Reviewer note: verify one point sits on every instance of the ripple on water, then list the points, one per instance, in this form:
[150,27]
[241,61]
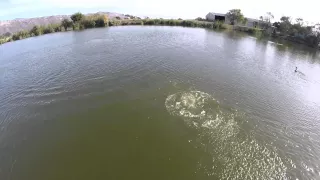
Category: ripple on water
[234,156]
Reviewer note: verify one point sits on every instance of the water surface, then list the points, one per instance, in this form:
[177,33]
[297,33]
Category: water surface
[158,103]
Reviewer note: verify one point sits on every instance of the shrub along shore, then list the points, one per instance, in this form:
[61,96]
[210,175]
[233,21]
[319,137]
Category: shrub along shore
[79,22]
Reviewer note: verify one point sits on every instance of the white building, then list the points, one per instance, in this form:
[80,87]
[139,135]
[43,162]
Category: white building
[211,16]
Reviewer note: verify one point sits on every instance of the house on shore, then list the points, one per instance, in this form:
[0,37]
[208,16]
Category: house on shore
[251,23]
[211,16]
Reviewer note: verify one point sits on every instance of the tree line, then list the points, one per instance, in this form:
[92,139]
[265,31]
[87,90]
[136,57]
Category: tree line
[298,30]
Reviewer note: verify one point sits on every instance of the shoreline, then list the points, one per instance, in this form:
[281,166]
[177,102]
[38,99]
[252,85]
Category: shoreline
[24,34]
[162,22]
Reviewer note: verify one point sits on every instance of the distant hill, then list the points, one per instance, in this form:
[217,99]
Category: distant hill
[12,26]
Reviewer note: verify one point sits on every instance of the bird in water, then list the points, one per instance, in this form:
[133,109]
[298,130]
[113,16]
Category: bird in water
[296,69]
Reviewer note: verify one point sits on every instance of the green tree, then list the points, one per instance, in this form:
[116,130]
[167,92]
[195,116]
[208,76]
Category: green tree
[56,27]
[276,25]
[298,29]
[66,23]
[285,25]
[77,17]
[285,19]
[75,26]
[36,31]
[244,21]
[100,22]
[48,29]
[87,23]
[98,19]
[235,16]
[313,40]
[20,35]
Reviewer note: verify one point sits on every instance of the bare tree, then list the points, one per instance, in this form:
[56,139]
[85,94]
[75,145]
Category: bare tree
[270,17]
[299,21]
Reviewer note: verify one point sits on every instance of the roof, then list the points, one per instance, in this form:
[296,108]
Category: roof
[218,14]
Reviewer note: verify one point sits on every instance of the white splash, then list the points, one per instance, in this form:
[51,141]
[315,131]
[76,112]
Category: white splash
[232,157]
[188,104]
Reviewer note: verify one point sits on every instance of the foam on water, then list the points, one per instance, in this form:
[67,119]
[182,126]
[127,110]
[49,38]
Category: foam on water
[234,154]
[191,104]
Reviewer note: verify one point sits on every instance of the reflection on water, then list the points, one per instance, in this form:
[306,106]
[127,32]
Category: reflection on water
[90,105]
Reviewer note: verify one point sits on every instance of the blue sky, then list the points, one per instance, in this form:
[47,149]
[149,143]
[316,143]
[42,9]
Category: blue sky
[307,9]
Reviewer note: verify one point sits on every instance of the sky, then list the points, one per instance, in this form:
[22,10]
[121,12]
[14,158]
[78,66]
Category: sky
[186,9]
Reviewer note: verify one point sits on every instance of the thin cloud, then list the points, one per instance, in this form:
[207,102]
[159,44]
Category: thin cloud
[82,3]
[308,10]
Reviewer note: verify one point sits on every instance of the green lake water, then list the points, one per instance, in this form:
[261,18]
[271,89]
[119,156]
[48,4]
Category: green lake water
[158,103]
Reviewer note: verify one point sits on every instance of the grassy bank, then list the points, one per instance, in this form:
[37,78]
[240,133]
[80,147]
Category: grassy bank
[4,39]
[92,22]
[80,22]
[250,30]
[295,32]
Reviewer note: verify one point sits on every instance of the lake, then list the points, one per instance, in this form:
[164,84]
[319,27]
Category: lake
[158,103]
